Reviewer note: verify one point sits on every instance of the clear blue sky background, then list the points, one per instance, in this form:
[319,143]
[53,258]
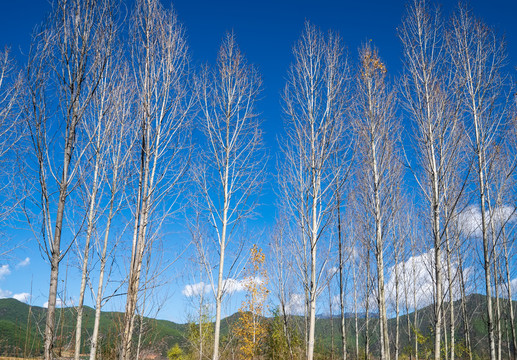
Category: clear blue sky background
[266,31]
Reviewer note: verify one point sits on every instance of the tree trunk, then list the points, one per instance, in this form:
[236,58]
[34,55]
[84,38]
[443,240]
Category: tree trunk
[498,310]
[51,309]
[415,304]
[486,250]
[367,308]
[218,304]
[331,318]
[103,259]
[312,290]
[89,233]
[222,244]
[510,299]
[464,313]
[452,319]
[379,250]
[341,282]
[56,245]
[356,310]
[397,312]
[201,323]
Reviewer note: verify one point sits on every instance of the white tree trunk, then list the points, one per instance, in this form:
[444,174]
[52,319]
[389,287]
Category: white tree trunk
[89,232]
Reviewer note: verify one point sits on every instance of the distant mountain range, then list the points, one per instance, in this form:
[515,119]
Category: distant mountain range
[348,315]
[21,327]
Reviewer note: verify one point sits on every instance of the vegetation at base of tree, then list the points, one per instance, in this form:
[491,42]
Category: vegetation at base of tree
[251,329]
[175,353]
[278,345]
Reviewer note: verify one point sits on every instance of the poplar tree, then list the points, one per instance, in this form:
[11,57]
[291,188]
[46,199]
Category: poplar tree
[314,99]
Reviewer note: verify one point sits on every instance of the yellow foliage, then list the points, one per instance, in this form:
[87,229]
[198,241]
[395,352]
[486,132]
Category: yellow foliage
[251,329]
[371,63]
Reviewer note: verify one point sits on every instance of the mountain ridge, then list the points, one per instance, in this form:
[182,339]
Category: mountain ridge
[21,328]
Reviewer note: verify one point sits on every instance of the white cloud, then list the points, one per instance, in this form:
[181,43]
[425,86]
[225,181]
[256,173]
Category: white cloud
[230,286]
[505,213]
[23,297]
[24,262]
[513,285]
[195,289]
[332,271]
[4,271]
[295,305]
[5,294]
[415,278]
[59,303]
[233,285]
[470,219]
[503,289]
[335,301]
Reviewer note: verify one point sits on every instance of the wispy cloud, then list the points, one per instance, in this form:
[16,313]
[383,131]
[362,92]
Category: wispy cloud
[503,288]
[59,303]
[4,271]
[23,263]
[233,285]
[23,297]
[295,305]
[470,219]
[195,289]
[230,286]
[416,279]
[5,294]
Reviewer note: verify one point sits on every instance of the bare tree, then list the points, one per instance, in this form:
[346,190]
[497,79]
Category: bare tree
[231,167]
[380,170]
[345,234]
[367,279]
[478,56]
[160,66]
[426,87]
[355,270]
[10,135]
[507,246]
[282,278]
[150,297]
[120,139]
[97,132]
[508,243]
[464,252]
[501,214]
[60,84]
[201,334]
[9,92]
[341,278]
[415,270]
[315,104]
[401,232]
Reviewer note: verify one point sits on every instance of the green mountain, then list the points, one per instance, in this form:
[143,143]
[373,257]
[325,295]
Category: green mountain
[328,333]
[21,329]
[22,326]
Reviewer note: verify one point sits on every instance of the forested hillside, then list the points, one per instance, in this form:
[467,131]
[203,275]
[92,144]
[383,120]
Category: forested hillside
[20,331]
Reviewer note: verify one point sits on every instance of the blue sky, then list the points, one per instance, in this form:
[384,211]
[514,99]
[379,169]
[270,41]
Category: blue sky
[266,31]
